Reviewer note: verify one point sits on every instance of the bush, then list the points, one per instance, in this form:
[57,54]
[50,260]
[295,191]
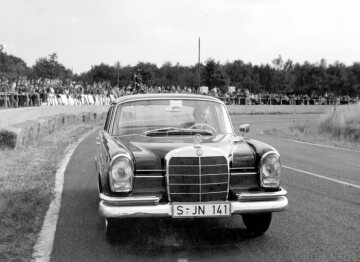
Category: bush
[343,123]
[7,139]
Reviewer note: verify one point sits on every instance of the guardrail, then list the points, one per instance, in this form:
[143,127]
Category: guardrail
[25,100]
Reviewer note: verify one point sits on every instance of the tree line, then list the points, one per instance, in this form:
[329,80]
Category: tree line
[281,76]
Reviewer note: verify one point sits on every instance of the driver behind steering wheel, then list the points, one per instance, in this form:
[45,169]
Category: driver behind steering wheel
[202,119]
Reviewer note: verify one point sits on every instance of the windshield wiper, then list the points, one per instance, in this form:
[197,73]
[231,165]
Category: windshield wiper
[176,131]
[160,130]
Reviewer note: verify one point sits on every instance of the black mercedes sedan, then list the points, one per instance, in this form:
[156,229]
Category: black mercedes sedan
[177,155]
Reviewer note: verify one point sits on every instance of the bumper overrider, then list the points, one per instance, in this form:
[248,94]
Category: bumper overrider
[150,206]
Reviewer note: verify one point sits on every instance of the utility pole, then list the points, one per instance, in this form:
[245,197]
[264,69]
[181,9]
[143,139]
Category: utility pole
[199,66]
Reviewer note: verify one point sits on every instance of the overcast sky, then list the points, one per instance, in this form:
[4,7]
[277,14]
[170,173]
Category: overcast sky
[89,32]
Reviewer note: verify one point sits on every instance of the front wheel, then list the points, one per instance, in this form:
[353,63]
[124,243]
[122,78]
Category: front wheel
[110,228]
[257,223]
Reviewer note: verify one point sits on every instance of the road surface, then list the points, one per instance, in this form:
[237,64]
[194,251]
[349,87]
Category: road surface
[322,222]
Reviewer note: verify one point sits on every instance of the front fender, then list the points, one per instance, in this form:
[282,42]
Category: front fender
[109,149]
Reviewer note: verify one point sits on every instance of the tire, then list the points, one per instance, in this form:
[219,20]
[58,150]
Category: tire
[110,228]
[257,223]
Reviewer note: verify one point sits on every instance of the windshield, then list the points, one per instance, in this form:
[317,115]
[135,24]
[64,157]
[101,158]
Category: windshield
[164,115]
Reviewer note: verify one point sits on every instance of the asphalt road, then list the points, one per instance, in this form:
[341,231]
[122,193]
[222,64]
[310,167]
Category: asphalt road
[322,222]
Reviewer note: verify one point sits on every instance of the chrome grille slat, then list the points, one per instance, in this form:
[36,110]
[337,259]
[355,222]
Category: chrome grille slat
[220,174]
[188,180]
[203,184]
[199,193]
[198,165]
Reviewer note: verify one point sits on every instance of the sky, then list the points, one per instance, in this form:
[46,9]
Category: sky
[85,33]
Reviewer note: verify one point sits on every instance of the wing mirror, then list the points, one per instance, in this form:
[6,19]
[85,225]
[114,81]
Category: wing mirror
[245,128]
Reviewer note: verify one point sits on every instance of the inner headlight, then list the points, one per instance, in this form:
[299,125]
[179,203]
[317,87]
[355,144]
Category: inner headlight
[121,174]
[270,170]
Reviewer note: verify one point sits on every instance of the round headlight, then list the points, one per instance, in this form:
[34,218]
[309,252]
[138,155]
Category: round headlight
[121,174]
[270,170]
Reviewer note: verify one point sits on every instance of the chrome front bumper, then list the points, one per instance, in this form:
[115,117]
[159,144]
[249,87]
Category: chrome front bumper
[116,207]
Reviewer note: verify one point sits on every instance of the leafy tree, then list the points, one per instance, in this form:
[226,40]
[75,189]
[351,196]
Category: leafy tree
[266,77]
[103,72]
[147,73]
[282,76]
[214,76]
[49,67]
[12,67]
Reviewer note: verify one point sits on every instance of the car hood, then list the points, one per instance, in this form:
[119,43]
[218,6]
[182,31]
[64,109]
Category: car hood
[149,152]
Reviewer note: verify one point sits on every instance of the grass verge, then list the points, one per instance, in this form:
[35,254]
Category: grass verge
[26,181]
[340,127]
[278,109]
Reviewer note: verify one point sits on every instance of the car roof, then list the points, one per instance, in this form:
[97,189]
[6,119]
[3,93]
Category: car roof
[156,96]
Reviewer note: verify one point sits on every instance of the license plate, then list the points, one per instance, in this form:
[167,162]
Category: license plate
[201,210]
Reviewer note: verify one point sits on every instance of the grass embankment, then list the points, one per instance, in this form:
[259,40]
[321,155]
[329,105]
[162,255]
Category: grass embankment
[339,127]
[26,181]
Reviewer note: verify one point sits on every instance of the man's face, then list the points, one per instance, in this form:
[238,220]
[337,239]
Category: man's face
[205,116]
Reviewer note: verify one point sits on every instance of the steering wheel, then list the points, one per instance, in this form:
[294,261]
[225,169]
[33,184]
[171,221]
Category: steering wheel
[203,125]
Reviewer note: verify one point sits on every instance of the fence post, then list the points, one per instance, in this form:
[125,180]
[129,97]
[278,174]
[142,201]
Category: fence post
[5,99]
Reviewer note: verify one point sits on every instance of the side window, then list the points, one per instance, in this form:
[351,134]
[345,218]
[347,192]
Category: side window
[108,119]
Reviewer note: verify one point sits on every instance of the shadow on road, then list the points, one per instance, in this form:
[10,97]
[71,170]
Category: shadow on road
[151,236]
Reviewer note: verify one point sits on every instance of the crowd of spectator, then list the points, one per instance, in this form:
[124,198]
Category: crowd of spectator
[54,92]
[244,97]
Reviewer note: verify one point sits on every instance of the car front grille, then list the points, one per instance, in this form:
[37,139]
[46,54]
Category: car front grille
[198,179]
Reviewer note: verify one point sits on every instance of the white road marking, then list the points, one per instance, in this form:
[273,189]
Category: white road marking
[319,145]
[313,144]
[44,244]
[261,121]
[323,177]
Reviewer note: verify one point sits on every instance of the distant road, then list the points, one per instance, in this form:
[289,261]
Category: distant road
[321,224]
[9,117]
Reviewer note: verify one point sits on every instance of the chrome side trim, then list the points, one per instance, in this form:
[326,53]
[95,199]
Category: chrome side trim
[149,176]
[232,168]
[150,170]
[261,195]
[245,173]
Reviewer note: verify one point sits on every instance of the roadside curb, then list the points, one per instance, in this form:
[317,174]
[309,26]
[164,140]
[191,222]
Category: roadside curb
[23,134]
[44,244]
